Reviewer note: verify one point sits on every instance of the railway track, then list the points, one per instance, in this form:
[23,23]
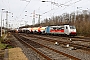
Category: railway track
[83,39]
[64,42]
[45,51]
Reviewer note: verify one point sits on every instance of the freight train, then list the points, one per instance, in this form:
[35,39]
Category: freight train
[60,30]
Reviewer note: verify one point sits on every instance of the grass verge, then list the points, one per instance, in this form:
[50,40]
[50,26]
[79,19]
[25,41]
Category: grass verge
[4,43]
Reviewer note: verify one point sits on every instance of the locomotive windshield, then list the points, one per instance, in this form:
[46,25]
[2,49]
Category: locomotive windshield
[72,27]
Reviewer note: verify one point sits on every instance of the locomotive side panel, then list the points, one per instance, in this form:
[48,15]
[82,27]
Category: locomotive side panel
[65,29]
[55,30]
[47,30]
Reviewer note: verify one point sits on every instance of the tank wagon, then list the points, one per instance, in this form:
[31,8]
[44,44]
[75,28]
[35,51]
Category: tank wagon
[40,30]
[63,30]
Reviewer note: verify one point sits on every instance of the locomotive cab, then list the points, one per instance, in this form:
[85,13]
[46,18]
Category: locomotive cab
[72,30]
[66,29]
[69,30]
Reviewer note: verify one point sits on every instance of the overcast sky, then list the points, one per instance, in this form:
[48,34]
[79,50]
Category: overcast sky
[18,9]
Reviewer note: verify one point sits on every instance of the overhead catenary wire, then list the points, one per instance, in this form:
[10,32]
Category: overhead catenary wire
[4,4]
[62,6]
[54,8]
[24,9]
[71,4]
[8,5]
[17,17]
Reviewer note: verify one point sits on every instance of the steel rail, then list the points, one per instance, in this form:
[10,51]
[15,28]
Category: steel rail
[78,46]
[67,55]
[43,55]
